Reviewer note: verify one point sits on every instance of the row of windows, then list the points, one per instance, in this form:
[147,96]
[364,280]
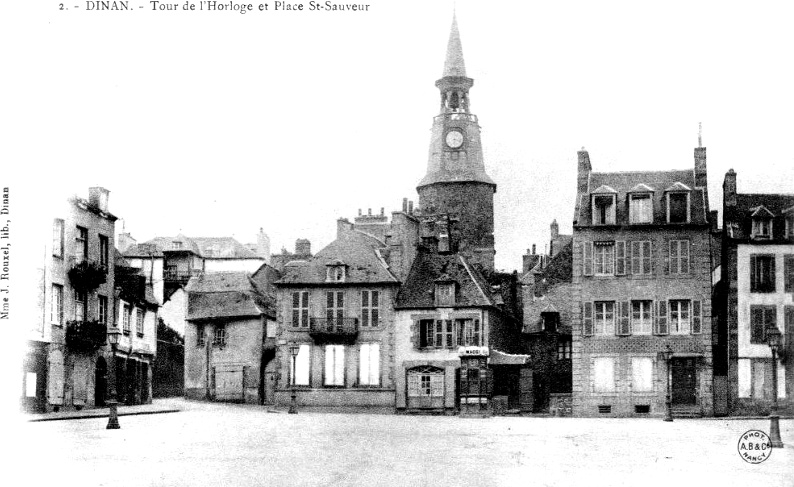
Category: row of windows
[80,310]
[126,320]
[620,258]
[763,228]
[640,206]
[603,377]
[334,357]
[461,332]
[335,307]
[642,317]
[81,243]
[218,335]
[762,273]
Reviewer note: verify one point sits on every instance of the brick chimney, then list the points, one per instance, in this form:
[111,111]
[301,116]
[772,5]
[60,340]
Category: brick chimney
[583,172]
[98,197]
[303,246]
[700,167]
[729,188]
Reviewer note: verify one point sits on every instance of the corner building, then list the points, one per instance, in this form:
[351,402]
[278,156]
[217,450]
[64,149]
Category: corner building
[642,273]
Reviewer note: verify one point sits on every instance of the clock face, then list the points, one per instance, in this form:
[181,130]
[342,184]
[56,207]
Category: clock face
[454,139]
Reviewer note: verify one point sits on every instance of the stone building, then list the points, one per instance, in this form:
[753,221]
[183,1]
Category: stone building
[758,292]
[66,362]
[642,273]
[337,308]
[230,335]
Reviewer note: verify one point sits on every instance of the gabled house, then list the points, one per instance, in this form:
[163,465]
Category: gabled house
[642,271]
[758,293]
[229,335]
[336,310]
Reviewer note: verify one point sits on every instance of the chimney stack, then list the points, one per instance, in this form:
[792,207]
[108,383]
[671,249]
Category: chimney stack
[533,249]
[98,197]
[584,169]
[405,205]
[410,207]
[729,188]
[555,230]
[303,246]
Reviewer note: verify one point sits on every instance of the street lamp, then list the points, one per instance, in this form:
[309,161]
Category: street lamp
[667,353]
[773,339]
[113,419]
[294,350]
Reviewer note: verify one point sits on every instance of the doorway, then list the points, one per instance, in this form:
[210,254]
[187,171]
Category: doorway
[100,382]
[268,378]
[684,381]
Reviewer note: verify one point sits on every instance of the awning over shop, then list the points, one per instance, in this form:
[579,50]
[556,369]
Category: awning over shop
[502,358]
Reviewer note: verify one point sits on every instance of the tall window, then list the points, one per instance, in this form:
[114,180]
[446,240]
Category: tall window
[640,208]
[760,318]
[604,318]
[788,273]
[445,294]
[57,237]
[104,249]
[139,314]
[219,335]
[679,316]
[334,365]
[81,247]
[604,258]
[604,209]
[564,349]
[300,309]
[335,306]
[103,309]
[299,367]
[56,313]
[201,336]
[679,256]
[468,332]
[125,319]
[641,374]
[370,307]
[762,273]
[604,374]
[641,317]
[369,364]
[677,207]
[80,305]
[641,257]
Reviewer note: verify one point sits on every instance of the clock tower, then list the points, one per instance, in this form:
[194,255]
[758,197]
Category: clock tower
[456,195]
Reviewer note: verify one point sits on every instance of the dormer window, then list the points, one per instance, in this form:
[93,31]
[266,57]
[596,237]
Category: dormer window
[445,294]
[762,223]
[678,207]
[640,208]
[789,214]
[604,206]
[335,271]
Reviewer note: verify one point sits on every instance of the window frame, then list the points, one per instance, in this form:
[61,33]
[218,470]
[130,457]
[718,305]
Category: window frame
[300,314]
[639,325]
[140,313]
[757,273]
[676,324]
[600,325]
[677,259]
[640,259]
[634,375]
[604,214]
[688,203]
[610,388]
[104,251]
[81,244]
[370,308]
[126,317]
[58,226]
[304,355]
[102,309]
[605,266]
[80,303]
[201,335]
[335,307]
[761,223]
[564,348]
[56,306]
[369,375]
[219,336]
[768,314]
[337,379]
[634,213]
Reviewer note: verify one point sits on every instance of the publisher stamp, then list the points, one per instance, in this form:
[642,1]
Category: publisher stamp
[754,446]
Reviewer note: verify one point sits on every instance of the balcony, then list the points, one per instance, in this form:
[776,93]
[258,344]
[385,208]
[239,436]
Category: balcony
[86,276]
[85,336]
[182,276]
[334,330]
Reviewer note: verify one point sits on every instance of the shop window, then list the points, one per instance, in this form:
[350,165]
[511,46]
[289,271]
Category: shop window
[334,365]
[369,364]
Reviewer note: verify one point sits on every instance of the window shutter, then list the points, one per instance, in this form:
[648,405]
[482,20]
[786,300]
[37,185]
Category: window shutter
[661,318]
[788,273]
[753,273]
[587,260]
[635,258]
[772,281]
[587,319]
[697,317]
[668,257]
[624,326]
[620,258]
[683,252]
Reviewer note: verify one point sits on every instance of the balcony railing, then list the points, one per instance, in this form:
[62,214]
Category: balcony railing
[333,330]
[172,275]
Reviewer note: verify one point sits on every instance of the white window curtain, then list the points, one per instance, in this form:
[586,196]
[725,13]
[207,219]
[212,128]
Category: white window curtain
[334,365]
[604,374]
[369,364]
[642,374]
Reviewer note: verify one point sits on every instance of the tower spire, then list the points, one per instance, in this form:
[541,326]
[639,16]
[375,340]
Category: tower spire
[700,134]
[454,65]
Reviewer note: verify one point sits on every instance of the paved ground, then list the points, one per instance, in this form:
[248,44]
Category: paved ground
[213,444]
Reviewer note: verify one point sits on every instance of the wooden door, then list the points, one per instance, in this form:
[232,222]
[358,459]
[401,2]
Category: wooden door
[684,381]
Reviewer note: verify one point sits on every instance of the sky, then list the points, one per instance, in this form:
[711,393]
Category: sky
[219,123]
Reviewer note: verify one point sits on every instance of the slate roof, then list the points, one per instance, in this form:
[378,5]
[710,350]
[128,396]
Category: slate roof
[418,290]
[221,295]
[739,219]
[358,251]
[207,247]
[624,183]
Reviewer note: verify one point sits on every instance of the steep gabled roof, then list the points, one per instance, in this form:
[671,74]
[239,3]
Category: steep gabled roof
[359,252]
[418,290]
[207,247]
[221,295]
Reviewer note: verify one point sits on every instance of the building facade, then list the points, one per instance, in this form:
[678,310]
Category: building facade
[336,311]
[66,363]
[642,271]
[758,275]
